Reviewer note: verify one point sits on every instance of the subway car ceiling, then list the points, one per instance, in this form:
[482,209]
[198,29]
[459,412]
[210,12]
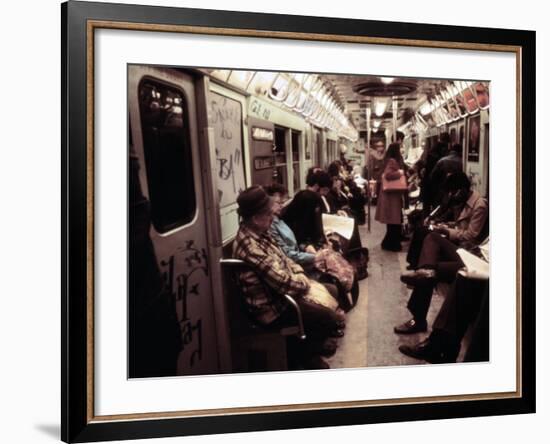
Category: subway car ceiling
[352,105]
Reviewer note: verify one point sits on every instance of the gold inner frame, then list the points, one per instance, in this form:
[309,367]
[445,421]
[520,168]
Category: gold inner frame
[92,25]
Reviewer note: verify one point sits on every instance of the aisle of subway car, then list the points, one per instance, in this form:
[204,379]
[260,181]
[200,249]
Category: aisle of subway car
[381,306]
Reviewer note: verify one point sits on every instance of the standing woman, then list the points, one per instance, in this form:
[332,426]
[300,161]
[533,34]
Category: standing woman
[388,209]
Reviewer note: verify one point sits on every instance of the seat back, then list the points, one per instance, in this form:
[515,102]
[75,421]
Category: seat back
[255,347]
[238,309]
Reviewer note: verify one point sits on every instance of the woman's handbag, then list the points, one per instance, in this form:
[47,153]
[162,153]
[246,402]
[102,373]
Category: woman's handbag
[394,186]
[334,264]
[359,259]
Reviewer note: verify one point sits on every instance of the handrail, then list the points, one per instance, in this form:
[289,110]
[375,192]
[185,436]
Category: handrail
[240,263]
[293,302]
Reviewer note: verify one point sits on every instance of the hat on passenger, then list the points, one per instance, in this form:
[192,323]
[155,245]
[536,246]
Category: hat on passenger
[253,200]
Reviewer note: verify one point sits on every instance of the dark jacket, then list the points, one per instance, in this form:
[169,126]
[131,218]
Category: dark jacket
[303,216]
[446,165]
[471,226]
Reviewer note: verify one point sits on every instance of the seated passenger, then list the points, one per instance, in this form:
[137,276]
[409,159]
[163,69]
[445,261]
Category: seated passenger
[439,262]
[282,233]
[465,303]
[357,202]
[303,214]
[464,220]
[337,199]
[254,245]
[323,264]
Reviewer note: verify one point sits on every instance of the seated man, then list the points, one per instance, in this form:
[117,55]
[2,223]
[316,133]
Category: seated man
[438,260]
[255,246]
[467,298]
[463,218]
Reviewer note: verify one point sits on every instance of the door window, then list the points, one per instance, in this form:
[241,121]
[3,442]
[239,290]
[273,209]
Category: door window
[164,115]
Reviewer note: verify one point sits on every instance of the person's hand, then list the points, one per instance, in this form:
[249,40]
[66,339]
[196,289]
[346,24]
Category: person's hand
[303,278]
[310,249]
[342,213]
[442,229]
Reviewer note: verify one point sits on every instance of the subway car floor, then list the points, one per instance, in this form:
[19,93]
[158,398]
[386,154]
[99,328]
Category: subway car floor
[370,340]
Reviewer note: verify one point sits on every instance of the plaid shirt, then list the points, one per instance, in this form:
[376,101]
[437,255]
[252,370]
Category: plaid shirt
[274,268]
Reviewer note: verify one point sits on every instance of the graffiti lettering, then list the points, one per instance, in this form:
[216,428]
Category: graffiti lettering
[224,118]
[188,331]
[184,282]
[226,167]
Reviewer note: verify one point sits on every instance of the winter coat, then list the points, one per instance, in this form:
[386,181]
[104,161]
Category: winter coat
[388,208]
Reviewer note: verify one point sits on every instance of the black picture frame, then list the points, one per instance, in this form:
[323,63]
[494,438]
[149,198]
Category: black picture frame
[78,423]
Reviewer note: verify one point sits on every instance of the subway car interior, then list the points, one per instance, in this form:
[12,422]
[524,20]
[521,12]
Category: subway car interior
[284,221]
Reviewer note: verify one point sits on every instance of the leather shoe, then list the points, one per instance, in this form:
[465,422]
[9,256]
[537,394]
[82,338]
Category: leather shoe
[427,351]
[341,324]
[328,348]
[337,333]
[422,276]
[410,327]
[394,248]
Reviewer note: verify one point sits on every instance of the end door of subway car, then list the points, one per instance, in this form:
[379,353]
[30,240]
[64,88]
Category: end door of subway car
[172,327]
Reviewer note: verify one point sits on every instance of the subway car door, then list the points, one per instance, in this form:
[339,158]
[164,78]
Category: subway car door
[163,121]
[262,157]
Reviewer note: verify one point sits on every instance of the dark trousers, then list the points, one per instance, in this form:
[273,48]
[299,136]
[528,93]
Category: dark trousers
[415,246]
[466,303]
[392,240]
[319,323]
[439,254]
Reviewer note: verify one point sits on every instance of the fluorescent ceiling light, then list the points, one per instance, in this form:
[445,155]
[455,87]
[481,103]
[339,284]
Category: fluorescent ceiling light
[426,108]
[380,107]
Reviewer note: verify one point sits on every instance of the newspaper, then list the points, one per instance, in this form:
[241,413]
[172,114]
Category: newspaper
[338,224]
[476,268]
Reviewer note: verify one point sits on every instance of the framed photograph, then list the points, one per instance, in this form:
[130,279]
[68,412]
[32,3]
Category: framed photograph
[184,131]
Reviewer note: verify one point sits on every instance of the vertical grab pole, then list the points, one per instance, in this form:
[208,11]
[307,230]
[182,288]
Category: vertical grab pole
[394,118]
[369,193]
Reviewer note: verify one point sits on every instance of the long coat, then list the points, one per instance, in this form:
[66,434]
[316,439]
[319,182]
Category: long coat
[388,208]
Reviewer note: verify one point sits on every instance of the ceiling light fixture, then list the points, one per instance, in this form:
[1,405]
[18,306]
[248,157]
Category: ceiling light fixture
[380,107]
